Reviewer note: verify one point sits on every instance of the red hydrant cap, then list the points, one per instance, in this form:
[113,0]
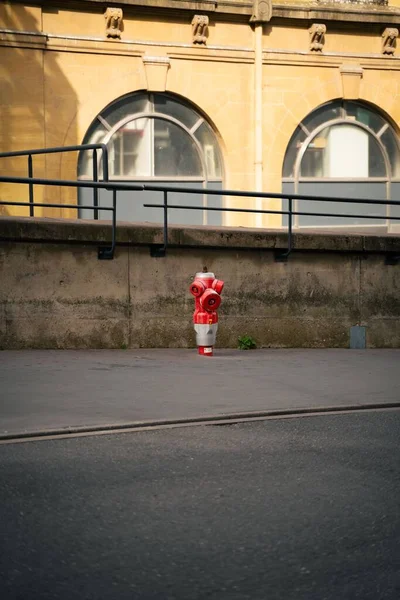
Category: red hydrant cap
[218,285]
[210,300]
[197,288]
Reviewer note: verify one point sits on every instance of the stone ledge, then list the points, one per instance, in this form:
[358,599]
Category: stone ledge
[25,229]
[330,10]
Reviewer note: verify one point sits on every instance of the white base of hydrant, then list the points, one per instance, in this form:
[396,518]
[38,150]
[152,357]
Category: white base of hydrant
[206,334]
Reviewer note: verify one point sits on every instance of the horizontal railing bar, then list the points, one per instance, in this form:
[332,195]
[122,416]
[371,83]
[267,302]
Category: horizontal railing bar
[53,150]
[157,178]
[341,180]
[110,185]
[271,195]
[272,212]
[48,205]
[208,208]
[224,209]
[70,183]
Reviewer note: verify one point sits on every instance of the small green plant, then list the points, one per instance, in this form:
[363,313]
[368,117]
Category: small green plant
[124,346]
[246,342]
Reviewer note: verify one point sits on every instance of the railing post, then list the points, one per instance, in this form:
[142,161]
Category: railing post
[282,256]
[114,222]
[108,253]
[165,220]
[156,250]
[30,175]
[95,189]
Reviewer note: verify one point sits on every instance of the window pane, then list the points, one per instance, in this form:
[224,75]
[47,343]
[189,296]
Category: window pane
[150,146]
[175,153]
[130,150]
[364,115]
[128,105]
[115,155]
[388,139]
[173,108]
[377,167]
[291,154]
[343,151]
[212,158]
[323,114]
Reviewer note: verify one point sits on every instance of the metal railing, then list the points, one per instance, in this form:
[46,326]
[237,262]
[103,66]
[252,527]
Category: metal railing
[272,195]
[161,249]
[32,181]
[62,149]
[104,252]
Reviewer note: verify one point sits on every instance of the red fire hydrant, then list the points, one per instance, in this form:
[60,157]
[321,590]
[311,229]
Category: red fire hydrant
[206,291]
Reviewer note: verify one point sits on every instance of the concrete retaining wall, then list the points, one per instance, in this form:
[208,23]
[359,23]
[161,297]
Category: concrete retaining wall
[55,294]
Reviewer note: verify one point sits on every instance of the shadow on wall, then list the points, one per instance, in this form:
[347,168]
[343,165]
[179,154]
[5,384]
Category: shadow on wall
[36,102]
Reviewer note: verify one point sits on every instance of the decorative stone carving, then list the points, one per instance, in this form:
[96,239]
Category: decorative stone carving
[317,33]
[200,29]
[113,17]
[262,11]
[389,37]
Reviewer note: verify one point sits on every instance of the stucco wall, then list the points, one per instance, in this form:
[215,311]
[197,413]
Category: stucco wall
[59,295]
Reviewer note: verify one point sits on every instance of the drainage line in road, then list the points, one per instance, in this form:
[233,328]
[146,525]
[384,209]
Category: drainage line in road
[226,419]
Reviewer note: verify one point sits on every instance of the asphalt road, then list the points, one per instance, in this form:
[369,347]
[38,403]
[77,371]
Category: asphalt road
[42,390]
[296,509]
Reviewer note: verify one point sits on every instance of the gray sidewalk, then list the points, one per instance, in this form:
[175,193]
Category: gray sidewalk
[41,390]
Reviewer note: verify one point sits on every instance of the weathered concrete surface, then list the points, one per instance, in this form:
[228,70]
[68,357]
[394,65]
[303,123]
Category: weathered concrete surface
[54,389]
[53,297]
[58,295]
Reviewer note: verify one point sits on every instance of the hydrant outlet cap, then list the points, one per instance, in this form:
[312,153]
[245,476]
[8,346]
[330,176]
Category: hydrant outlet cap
[210,300]
[197,288]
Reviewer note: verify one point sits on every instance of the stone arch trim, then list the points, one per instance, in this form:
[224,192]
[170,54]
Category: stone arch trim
[96,100]
[384,98]
[378,97]
[133,82]
[320,93]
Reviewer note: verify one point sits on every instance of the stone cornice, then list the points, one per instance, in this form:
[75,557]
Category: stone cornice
[338,11]
[362,11]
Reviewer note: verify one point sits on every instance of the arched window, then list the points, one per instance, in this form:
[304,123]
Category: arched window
[156,137]
[343,149]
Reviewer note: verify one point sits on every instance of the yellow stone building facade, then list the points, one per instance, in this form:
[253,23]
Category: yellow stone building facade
[300,97]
